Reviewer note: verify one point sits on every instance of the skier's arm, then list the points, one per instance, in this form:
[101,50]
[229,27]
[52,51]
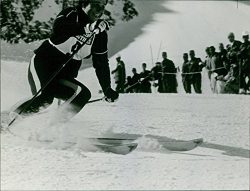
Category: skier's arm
[101,65]
[100,60]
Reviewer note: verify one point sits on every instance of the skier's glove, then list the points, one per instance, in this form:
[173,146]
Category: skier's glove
[90,27]
[111,95]
[96,27]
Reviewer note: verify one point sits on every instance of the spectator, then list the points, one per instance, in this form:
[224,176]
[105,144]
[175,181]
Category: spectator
[145,79]
[135,78]
[230,82]
[217,69]
[169,75]
[207,62]
[119,75]
[233,49]
[186,77]
[157,75]
[223,56]
[196,66]
[128,84]
[244,58]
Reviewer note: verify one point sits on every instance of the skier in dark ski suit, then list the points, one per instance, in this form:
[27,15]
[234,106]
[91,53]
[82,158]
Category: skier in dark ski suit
[71,28]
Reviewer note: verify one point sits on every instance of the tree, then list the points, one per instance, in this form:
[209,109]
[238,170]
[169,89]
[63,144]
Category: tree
[18,24]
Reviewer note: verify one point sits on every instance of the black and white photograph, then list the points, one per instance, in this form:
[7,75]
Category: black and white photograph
[125,95]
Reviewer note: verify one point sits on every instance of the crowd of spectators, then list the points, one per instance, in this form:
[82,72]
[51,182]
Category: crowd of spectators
[229,68]
[228,71]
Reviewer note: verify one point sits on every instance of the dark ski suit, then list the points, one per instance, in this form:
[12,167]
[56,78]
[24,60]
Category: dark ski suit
[68,33]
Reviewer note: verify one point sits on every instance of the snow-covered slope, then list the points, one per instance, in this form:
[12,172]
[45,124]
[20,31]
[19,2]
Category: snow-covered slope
[222,162]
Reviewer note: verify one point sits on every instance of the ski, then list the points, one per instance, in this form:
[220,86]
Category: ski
[109,145]
[121,149]
[178,145]
[113,141]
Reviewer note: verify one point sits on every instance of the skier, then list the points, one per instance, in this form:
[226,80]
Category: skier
[186,77]
[120,75]
[145,83]
[71,28]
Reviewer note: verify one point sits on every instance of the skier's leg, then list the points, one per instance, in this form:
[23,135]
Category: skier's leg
[39,103]
[44,99]
[75,94]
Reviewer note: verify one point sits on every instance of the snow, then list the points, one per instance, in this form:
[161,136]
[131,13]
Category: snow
[221,162]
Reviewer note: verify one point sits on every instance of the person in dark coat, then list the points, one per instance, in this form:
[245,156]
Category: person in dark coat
[196,66]
[169,75]
[145,79]
[135,79]
[119,75]
[244,58]
[217,69]
[156,72]
[128,83]
[223,56]
[186,80]
[234,47]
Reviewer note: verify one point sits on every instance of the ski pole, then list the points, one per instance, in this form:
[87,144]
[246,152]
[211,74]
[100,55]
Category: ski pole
[152,57]
[91,101]
[52,77]
[96,100]
[159,52]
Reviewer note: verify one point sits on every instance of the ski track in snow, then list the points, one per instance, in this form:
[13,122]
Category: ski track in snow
[221,162]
